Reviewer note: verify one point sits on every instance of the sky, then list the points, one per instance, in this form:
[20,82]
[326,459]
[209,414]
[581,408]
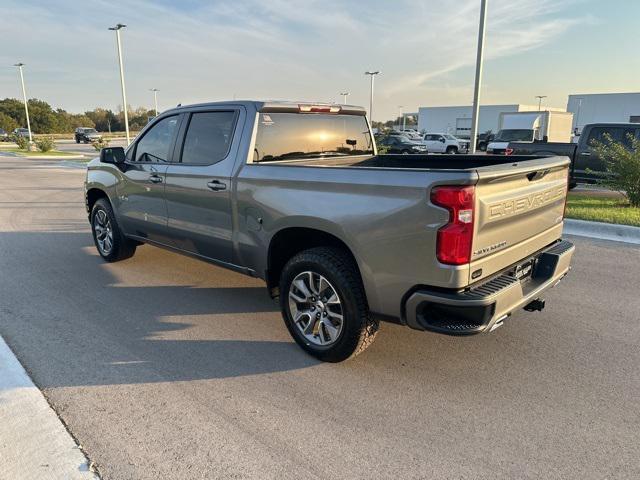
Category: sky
[198,51]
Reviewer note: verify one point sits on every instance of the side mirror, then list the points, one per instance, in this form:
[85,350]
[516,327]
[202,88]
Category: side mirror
[113,155]
[442,140]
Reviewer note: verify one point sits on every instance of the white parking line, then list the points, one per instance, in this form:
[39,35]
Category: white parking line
[34,443]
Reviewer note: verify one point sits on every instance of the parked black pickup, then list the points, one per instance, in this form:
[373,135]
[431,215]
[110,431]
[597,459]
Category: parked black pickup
[586,167]
[551,149]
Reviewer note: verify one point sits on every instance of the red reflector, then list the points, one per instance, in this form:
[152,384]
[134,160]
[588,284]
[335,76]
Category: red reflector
[453,246]
[508,151]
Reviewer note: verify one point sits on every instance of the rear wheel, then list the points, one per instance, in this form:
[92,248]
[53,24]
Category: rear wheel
[452,150]
[111,243]
[405,152]
[324,305]
[77,140]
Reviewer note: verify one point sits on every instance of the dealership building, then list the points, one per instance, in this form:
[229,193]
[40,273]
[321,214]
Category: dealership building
[457,120]
[587,108]
[604,107]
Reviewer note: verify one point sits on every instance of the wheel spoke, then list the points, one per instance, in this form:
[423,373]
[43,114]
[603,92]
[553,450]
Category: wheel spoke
[300,285]
[331,330]
[333,299]
[310,326]
[337,316]
[312,284]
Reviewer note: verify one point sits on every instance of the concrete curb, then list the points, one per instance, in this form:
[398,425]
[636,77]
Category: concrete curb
[602,231]
[34,442]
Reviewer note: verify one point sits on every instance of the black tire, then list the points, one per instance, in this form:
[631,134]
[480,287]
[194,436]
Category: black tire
[404,152]
[452,150]
[482,147]
[358,329]
[122,247]
[77,141]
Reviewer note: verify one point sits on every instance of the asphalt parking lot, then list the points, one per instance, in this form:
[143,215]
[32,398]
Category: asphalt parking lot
[166,367]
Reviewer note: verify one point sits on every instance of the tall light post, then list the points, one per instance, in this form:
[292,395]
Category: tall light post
[155,98]
[371,74]
[344,97]
[540,98]
[24,97]
[400,107]
[478,83]
[117,29]
[575,130]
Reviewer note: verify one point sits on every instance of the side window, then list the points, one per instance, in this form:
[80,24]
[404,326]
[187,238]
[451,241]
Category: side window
[154,146]
[599,134]
[208,137]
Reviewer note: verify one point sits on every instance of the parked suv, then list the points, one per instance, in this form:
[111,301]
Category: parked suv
[87,135]
[21,132]
[4,136]
[445,143]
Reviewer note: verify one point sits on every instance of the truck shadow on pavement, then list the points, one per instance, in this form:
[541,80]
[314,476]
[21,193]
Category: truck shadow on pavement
[85,322]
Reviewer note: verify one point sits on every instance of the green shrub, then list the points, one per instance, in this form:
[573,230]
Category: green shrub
[22,142]
[623,166]
[45,144]
[100,144]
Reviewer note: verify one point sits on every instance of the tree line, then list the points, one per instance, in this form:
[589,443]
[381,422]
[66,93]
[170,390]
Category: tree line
[45,119]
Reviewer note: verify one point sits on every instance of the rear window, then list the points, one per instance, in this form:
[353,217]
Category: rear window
[290,136]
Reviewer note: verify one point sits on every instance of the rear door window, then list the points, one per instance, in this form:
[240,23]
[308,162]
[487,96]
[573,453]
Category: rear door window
[601,134]
[208,137]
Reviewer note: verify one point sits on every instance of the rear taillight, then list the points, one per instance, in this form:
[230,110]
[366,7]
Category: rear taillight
[508,151]
[453,246]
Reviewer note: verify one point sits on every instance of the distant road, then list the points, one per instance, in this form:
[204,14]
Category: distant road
[84,148]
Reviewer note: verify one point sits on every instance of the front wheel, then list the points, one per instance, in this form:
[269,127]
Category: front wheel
[324,304]
[111,243]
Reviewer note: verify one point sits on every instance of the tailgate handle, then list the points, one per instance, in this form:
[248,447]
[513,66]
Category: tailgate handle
[537,175]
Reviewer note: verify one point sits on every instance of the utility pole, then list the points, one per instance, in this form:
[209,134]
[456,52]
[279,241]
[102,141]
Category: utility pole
[155,98]
[117,29]
[401,116]
[540,98]
[344,97]
[24,97]
[371,74]
[478,83]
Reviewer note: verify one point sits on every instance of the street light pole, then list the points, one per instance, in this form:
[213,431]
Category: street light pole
[478,83]
[540,98]
[117,29]
[344,97]
[24,96]
[155,98]
[371,74]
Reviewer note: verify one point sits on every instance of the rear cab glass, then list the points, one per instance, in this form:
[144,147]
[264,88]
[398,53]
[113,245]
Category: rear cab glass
[294,136]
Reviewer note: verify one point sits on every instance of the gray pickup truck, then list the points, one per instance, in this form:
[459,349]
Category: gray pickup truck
[296,194]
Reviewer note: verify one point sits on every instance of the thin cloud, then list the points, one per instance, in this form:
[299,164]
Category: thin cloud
[306,49]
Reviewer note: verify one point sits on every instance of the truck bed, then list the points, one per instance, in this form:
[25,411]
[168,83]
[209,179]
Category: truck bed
[414,162]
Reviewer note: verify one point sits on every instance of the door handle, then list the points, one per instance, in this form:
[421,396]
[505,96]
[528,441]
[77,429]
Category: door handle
[585,154]
[155,178]
[216,185]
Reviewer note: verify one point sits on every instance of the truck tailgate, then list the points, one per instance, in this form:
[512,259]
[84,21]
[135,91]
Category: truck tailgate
[520,209]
